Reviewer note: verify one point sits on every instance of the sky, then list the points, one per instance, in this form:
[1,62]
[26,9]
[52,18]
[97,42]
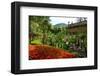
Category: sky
[56,20]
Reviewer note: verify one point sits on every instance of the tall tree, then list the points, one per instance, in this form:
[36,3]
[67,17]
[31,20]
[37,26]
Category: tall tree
[40,24]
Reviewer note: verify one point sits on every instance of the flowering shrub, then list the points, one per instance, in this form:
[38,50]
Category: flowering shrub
[47,52]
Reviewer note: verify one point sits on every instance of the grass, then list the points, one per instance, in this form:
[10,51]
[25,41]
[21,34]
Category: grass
[36,41]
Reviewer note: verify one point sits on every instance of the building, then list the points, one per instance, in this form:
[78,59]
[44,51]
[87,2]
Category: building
[77,27]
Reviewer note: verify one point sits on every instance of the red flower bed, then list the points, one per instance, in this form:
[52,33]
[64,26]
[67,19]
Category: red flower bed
[47,52]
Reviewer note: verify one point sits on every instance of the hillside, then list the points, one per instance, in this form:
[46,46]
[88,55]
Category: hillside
[60,25]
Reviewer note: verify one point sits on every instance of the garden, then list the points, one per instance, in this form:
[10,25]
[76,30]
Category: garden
[54,41]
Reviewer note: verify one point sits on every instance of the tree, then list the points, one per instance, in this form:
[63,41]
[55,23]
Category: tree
[40,25]
[80,19]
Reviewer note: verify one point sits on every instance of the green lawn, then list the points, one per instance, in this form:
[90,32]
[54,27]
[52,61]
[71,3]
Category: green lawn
[36,41]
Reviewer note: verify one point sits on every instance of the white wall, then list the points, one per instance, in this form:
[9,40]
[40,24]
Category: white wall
[5,33]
